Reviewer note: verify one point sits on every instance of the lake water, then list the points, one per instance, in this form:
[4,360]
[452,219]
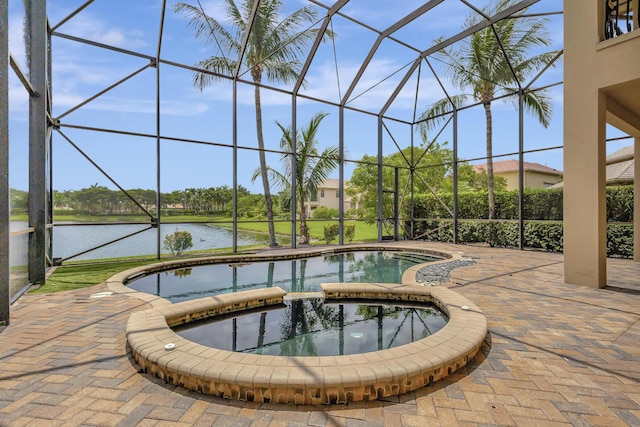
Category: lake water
[69,240]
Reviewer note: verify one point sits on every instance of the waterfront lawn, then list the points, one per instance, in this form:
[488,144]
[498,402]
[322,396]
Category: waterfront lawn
[363,233]
[66,278]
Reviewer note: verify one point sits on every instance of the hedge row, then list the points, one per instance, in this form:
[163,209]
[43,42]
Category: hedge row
[538,205]
[538,235]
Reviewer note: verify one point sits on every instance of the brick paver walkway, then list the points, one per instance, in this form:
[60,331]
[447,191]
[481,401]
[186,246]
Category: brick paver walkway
[556,354]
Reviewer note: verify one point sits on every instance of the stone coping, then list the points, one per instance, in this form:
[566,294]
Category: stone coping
[305,380]
[300,380]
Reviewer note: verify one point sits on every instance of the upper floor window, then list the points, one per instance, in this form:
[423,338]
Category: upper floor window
[321,193]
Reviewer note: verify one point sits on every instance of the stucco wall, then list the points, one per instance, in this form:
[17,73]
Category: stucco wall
[593,71]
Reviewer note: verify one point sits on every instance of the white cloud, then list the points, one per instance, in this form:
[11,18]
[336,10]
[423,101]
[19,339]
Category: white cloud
[18,98]
[69,72]
[16,41]
[87,25]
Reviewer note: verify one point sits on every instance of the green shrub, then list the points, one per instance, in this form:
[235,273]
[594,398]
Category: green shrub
[178,242]
[546,235]
[539,205]
[620,203]
[331,232]
[349,232]
[620,240]
[324,212]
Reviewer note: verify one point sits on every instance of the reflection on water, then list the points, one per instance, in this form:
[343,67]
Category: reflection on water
[182,272]
[301,275]
[311,327]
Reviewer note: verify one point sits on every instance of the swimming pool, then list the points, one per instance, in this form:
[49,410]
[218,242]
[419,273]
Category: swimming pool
[293,275]
[313,327]
[308,380]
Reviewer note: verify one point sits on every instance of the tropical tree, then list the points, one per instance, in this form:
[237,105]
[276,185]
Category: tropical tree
[492,62]
[431,164]
[272,47]
[312,168]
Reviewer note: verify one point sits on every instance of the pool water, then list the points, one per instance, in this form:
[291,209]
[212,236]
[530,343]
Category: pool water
[311,327]
[301,275]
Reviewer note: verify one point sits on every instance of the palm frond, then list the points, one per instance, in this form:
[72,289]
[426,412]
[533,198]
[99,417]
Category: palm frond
[436,113]
[539,104]
[209,28]
[216,66]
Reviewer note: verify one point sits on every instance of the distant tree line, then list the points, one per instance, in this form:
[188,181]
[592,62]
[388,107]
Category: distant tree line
[100,200]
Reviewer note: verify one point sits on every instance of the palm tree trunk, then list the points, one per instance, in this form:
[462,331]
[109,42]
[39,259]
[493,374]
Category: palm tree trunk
[490,184]
[263,163]
[304,230]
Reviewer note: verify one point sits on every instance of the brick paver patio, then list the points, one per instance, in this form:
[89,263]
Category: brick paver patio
[556,354]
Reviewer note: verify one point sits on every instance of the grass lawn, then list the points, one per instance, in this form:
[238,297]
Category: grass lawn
[83,275]
[364,232]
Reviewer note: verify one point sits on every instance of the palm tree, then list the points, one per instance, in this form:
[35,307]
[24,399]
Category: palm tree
[272,47]
[489,68]
[312,169]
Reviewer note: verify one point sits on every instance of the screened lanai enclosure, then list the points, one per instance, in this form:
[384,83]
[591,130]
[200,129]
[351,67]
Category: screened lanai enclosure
[251,124]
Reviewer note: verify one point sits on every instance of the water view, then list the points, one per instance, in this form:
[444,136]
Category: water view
[70,240]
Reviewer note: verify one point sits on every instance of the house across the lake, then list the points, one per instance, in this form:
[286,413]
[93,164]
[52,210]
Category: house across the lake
[535,174]
[328,195]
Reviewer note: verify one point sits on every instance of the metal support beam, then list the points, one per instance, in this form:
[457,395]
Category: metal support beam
[455,176]
[380,192]
[234,200]
[37,139]
[412,171]
[4,163]
[341,174]
[396,210]
[294,169]
[157,221]
[521,170]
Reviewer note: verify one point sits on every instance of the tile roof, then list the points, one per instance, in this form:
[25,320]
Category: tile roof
[504,166]
[622,154]
[620,167]
[620,172]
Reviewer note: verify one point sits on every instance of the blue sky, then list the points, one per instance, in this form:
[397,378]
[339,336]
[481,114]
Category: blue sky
[80,71]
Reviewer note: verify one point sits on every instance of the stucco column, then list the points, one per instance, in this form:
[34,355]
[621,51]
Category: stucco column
[585,239]
[636,202]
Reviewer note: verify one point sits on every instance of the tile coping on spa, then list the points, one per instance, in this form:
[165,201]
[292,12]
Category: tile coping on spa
[301,380]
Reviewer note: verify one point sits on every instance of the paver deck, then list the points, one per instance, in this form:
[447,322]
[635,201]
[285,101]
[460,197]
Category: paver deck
[556,354]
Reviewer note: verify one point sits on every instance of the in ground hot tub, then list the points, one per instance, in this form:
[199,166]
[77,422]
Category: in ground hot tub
[311,326]
[306,379]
